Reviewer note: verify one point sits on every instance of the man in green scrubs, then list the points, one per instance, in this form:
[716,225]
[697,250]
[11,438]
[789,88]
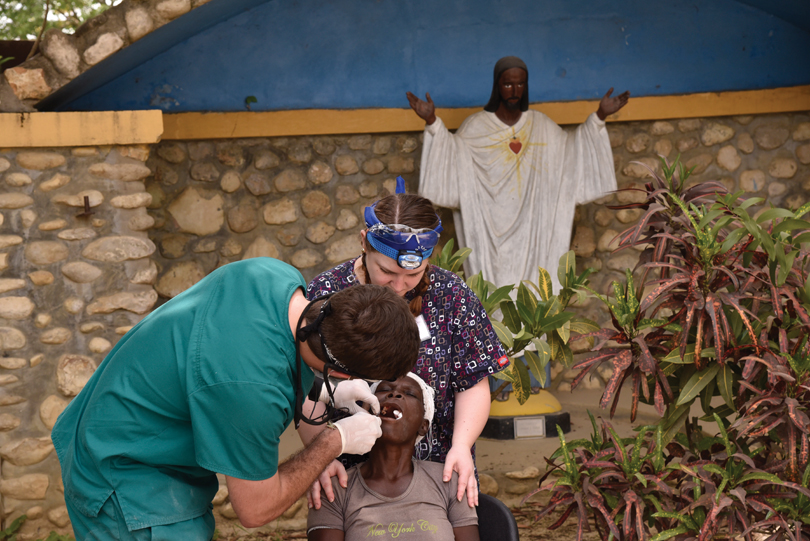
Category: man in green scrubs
[206,384]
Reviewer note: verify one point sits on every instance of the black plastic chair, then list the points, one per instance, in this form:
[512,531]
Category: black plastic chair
[495,521]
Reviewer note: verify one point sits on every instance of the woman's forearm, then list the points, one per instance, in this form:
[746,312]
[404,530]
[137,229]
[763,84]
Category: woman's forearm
[472,412]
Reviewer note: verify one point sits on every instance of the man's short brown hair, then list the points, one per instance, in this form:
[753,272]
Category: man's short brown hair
[370,330]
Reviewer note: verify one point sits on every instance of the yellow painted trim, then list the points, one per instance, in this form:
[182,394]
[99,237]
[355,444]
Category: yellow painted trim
[80,129]
[332,121]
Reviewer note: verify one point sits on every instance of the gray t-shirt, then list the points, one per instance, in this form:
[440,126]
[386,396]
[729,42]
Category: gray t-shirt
[428,508]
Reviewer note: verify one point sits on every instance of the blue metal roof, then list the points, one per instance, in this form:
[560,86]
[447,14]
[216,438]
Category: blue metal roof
[354,54]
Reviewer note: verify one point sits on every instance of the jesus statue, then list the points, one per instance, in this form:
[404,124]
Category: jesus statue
[515,176]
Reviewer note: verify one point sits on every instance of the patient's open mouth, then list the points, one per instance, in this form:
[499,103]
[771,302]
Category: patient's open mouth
[390,412]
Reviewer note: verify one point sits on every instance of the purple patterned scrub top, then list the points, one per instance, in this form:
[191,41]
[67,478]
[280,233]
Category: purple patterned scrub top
[463,348]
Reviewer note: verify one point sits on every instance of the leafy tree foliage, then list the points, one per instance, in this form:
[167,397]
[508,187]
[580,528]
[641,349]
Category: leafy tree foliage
[22,19]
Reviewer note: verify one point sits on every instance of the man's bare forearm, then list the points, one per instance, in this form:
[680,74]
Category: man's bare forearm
[258,502]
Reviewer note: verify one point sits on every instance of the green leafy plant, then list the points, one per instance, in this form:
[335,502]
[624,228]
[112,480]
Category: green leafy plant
[451,260]
[715,314]
[536,317]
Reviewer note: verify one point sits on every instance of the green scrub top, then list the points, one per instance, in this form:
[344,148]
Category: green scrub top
[203,384]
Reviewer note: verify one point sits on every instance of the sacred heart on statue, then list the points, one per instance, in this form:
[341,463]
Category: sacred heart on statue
[515,146]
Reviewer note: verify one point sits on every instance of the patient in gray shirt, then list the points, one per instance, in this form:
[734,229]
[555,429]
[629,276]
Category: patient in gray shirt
[392,495]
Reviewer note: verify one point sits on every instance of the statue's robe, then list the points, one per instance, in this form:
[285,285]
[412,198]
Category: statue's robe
[514,188]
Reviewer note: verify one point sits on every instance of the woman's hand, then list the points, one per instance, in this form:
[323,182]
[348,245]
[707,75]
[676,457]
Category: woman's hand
[325,481]
[460,460]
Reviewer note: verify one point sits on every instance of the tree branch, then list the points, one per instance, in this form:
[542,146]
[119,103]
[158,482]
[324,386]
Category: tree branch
[41,31]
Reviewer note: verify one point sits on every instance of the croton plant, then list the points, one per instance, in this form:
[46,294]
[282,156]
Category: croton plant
[716,312]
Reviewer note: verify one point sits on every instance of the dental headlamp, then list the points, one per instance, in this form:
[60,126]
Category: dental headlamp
[407,246]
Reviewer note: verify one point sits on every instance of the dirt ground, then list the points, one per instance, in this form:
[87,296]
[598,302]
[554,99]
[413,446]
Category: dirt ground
[496,458]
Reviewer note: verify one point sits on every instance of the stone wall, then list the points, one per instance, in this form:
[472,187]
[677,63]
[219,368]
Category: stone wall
[62,57]
[76,277]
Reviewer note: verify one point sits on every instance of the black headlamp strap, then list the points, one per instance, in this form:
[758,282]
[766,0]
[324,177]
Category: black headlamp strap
[301,335]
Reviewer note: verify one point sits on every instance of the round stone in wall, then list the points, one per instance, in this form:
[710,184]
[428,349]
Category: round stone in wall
[261,247]
[56,181]
[281,211]
[141,222]
[138,303]
[10,284]
[231,155]
[9,240]
[346,165]
[204,172]
[94,199]
[27,487]
[12,363]
[17,180]
[728,158]
[58,516]
[16,307]
[745,143]
[173,153]
[373,166]
[305,259]
[346,220]
[299,154]
[346,195]
[700,163]
[770,137]
[73,305]
[55,336]
[407,144]
[316,204]
[360,142]
[50,409]
[42,320]
[11,338]
[290,235]
[243,217]
[320,232]
[179,277]
[343,249]
[265,159]
[661,128]
[80,233]
[230,248]
[290,180]
[126,172]
[52,225]
[4,165]
[115,249]
[196,214]
[803,153]
[319,173]
[258,184]
[323,146]
[382,145]
[173,245]
[8,422]
[782,168]
[99,345]
[132,200]
[752,181]
[27,451]
[73,372]
[399,165]
[231,181]
[14,200]
[716,133]
[39,161]
[638,143]
[81,272]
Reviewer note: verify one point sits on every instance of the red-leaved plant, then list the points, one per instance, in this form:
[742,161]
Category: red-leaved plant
[717,307]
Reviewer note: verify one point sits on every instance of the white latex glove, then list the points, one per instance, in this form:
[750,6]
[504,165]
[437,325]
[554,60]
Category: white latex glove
[358,433]
[348,393]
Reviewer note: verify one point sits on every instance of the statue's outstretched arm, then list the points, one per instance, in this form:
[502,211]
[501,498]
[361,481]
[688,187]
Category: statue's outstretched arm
[610,105]
[424,109]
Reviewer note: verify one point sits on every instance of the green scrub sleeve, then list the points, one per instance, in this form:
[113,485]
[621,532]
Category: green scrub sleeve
[236,428]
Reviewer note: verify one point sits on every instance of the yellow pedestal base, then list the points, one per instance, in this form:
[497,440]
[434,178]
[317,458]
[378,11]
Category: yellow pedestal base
[538,404]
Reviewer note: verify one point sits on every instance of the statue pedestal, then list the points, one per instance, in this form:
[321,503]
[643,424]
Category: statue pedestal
[537,418]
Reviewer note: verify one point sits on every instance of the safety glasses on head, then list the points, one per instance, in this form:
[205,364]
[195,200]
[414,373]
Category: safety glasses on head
[408,246]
